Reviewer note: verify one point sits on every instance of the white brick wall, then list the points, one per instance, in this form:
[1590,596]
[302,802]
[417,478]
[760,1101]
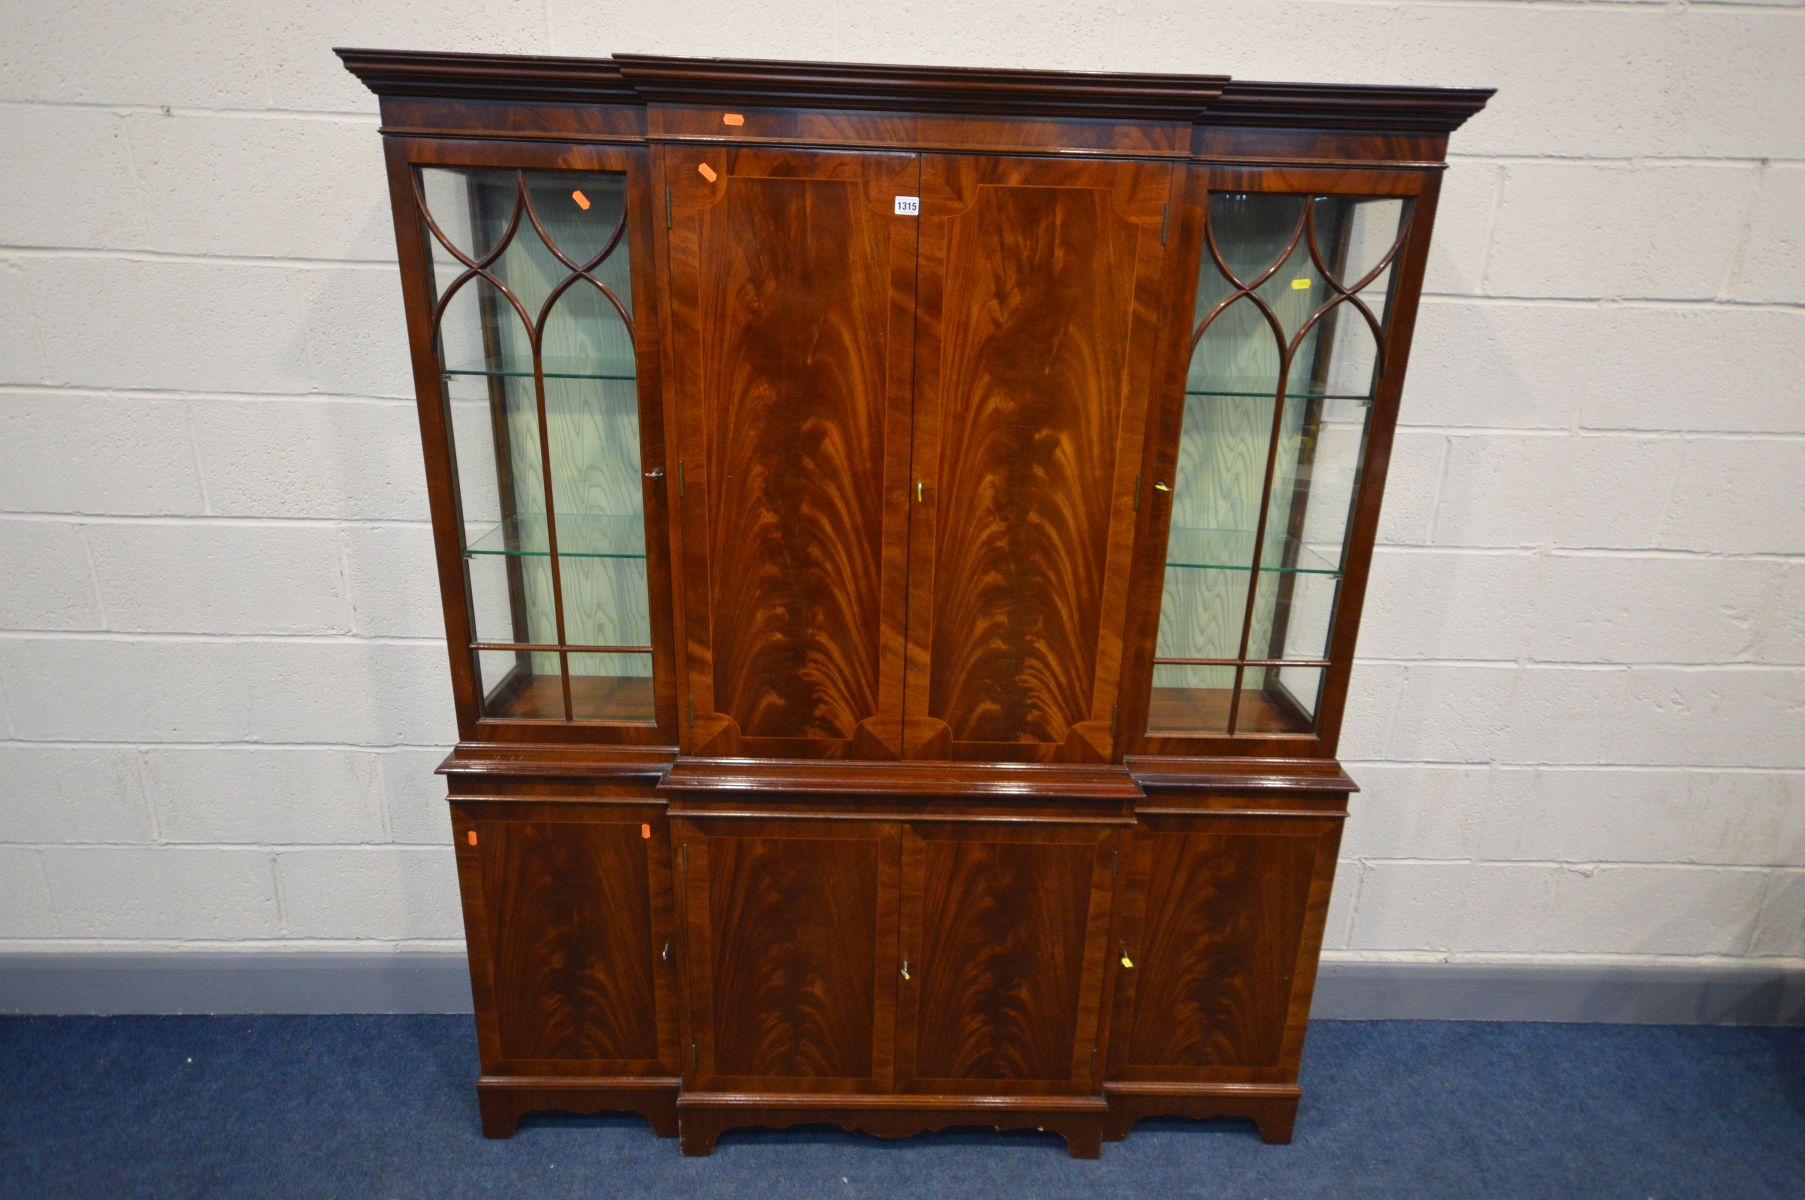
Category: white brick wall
[1580,714]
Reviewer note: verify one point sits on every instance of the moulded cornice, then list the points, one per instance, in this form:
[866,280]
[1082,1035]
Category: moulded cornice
[636,79]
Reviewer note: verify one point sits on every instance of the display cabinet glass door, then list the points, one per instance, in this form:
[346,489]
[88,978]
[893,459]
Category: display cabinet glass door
[534,325]
[1286,354]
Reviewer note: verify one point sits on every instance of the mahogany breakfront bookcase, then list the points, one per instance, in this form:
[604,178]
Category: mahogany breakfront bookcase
[902,533]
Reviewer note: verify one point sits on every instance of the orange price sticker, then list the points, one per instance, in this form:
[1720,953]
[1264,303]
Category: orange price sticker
[472,836]
[645,831]
[581,199]
[732,119]
[706,172]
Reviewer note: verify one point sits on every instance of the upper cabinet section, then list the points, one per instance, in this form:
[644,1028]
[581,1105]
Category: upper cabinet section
[1013,416]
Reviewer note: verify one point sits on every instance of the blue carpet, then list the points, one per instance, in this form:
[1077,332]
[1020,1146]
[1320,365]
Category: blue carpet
[383,1106]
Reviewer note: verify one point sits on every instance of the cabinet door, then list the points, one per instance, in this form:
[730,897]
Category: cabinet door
[568,912]
[791,953]
[1269,459]
[1003,939]
[1223,923]
[792,286]
[1040,283]
[534,315]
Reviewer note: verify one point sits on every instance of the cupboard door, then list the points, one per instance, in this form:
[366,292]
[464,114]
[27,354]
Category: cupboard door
[792,286]
[1039,294]
[568,912]
[791,954]
[1223,924]
[1269,457]
[1003,945]
[534,317]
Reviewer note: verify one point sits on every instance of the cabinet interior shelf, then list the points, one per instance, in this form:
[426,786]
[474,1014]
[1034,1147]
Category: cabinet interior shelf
[1250,392]
[1263,387]
[1232,550]
[580,535]
[553,369]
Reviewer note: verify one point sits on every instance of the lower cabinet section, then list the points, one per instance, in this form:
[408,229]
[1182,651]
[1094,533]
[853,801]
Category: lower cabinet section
[891,975]
[567,914]
[1222,925]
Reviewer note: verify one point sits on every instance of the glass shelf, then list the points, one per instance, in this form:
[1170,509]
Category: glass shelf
[554,369]
[1249,389]
[580,535]
[1232,550]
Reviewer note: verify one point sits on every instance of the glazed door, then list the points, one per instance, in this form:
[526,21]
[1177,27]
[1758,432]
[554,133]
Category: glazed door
[1039,295]
[1003,947]
[534,315]
[1269,456]
[790,953]
[568,907]
[1222,921]
[792,281]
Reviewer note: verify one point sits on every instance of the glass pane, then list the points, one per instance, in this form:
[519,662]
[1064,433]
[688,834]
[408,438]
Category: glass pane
[1293,613]
[1190,699]
[539,370]
[1278,700]
[520,684]
[1277,401]
[611,687]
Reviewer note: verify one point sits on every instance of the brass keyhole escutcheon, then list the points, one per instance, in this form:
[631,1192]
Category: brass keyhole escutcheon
[905,970]
[1127,963]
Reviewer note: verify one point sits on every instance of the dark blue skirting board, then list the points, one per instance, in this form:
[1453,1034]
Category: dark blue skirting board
[369,1106]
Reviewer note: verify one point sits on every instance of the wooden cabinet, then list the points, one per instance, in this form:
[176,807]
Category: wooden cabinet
[902,535]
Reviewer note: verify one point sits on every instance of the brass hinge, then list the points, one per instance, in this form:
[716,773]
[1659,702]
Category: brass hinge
[1114,861]
[1137,493]
[683,857]
[1115,716]
[1165,216]
[1093,1063]
[667,208]
[693,1064]
[679,477]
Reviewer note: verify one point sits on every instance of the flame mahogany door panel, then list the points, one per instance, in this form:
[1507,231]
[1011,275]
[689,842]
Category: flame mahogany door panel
[1040,287]
[568,908]
[790,951]
[792,290]
[1003,933]
[1223,920]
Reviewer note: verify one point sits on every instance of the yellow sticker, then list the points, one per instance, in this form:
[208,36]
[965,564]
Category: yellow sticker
[581,199]
[1300,285]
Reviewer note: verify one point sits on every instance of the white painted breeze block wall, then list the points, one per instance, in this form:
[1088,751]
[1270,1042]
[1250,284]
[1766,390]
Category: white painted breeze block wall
[1580,710]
